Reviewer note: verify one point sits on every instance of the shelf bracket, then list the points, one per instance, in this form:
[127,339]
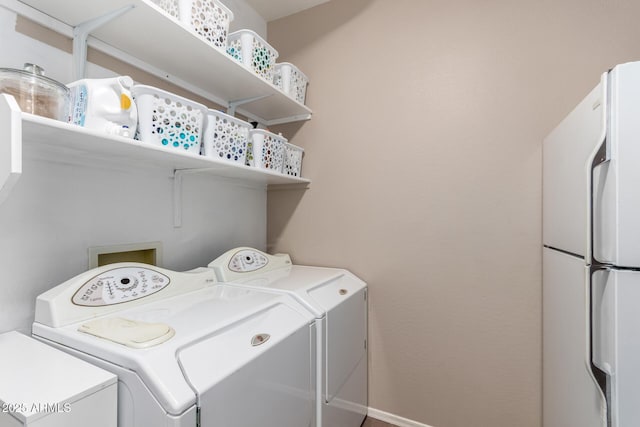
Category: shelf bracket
[10,145]
[178,174]
[80,34]
[231,109]
[298,118]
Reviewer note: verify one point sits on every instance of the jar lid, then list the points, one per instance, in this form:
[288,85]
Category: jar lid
[35,74]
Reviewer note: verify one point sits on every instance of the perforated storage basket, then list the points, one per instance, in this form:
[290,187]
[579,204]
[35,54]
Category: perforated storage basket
[171,7]
[167,119]
[225,137]
[266,151]
[292,159]
[208,18]
[251,50]
[291,81]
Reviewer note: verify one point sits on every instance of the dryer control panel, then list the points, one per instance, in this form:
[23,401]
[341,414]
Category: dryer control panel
[238,262]
[246,260]
[120,285]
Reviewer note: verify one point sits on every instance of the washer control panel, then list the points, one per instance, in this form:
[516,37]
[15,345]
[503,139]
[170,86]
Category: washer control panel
[247,260]
[120,285]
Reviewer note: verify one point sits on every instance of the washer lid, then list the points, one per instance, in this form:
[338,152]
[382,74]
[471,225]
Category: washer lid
[319,289]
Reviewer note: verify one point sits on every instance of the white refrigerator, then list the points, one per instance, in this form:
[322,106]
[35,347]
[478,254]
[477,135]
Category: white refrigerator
[591,259]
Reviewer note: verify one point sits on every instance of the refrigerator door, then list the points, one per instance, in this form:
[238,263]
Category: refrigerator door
[566,152]
[571,397]
[616,188]
[616,322]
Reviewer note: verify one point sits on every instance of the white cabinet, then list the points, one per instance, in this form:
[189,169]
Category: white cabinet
[44,387]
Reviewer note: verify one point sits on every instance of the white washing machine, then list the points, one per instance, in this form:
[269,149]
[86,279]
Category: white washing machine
[187,350]
[338,300]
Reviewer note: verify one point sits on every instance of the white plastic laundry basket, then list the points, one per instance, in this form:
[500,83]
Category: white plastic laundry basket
[208,18]
[267,150]
[291,81]
[225,137]
[171,7]
[292,159]
[167,119]
[252,51]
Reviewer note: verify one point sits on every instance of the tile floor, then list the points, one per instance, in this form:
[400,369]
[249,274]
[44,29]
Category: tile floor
[370,422]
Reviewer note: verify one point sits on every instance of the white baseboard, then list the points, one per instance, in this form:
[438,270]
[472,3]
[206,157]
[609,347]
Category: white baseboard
[393,419]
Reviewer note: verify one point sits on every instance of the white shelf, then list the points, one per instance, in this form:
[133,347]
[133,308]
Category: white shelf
[153,37]
[79,145]
[55,141]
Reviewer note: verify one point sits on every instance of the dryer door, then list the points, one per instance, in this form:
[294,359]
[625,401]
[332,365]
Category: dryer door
[345,353]
[257,372]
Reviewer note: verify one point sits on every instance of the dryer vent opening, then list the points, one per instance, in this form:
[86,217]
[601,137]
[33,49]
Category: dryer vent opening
[147,253]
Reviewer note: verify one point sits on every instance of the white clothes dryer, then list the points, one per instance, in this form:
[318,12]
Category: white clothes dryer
[338,300]
[187,350]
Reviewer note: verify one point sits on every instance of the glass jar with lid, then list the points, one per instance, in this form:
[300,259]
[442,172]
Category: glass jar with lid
[35,93]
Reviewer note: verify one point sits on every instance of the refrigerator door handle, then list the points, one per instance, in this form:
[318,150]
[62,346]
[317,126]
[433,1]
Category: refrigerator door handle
[601,154]
[597,321]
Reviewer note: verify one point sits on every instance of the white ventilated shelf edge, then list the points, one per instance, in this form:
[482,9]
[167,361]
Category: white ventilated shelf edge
[154,38]
[63,142]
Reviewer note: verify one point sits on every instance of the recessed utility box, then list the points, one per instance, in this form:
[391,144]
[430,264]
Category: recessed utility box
[148,253]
